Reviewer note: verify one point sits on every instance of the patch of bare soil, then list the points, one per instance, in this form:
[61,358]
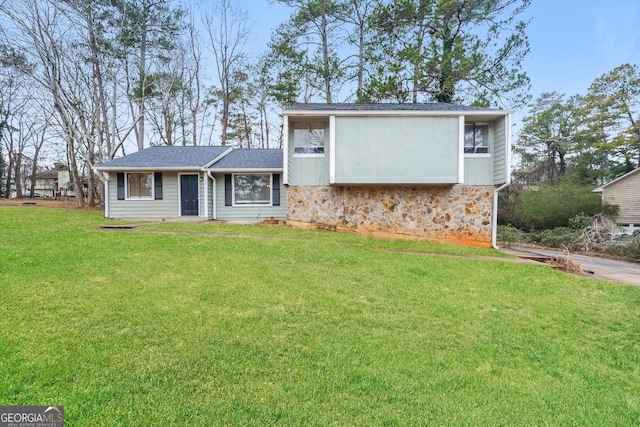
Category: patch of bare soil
[69,203]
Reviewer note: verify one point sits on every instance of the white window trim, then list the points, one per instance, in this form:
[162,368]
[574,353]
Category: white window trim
[489,145]
[309,126]
[252,205]
[153,186]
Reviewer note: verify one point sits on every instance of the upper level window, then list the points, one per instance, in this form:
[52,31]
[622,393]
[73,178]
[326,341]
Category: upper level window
[309,139]
[139,185]
[476,138]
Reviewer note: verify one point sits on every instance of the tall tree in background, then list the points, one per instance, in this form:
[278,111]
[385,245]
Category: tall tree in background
[359,34]
[146,34]
[314,34]
[449,51]
[547,139]
[228,30]
[612,107]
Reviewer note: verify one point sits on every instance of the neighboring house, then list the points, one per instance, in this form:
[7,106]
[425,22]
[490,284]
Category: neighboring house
[430,171]
[46,184]
[625,193]
[49,183]
[195,182]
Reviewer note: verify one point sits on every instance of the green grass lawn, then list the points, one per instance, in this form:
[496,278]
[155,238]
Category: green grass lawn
[204,325]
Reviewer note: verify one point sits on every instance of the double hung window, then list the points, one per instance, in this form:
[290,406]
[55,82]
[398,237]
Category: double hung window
[309,139]
[139,185]
[476,138]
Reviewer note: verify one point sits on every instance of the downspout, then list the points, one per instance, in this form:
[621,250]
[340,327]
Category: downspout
[206,195]
[215,212]
[494,226]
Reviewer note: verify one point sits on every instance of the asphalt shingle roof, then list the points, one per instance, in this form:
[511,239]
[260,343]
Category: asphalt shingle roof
[250,159]
[168,157]
[429,106]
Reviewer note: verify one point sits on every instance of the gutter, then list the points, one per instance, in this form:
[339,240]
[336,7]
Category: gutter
[494,226]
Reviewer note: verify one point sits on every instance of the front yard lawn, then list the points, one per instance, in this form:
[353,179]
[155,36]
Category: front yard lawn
[202,324]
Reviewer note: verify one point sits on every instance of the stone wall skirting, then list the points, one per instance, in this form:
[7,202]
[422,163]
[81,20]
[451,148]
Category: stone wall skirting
[458,213]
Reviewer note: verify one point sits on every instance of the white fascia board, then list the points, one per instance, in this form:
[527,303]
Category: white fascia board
[227,151]
[285,150]
[151,169]
[246,170]
[426,113]
[602,187]
[508,142]
[460,149]
[332,149]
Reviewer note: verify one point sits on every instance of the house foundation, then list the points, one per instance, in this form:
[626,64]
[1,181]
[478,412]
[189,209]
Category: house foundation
[453,214]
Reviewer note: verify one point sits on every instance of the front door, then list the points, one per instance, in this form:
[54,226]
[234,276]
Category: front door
[189,194]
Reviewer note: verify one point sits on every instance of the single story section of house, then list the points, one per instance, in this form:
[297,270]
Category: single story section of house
[204,182]
[430,170]
[625,193]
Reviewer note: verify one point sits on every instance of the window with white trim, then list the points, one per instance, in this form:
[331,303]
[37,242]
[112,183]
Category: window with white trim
[252,189]
[476,138]
[309,139]
[139,185]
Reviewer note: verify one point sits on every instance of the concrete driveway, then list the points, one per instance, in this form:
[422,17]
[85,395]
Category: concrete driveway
[602,268]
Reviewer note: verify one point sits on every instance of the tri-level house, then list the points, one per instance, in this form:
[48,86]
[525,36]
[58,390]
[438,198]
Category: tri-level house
[423,170]
[426,171]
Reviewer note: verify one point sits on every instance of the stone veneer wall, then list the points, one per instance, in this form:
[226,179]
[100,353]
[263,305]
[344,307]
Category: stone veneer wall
[456,213]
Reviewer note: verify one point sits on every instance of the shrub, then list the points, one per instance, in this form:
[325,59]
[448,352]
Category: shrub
[552,206]
[555,238]
[579,221]
[509,234]
[629,248]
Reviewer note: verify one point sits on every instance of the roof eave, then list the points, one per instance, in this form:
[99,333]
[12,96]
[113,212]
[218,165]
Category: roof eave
[148,168]
[620,178]
[431,113]
[244,170]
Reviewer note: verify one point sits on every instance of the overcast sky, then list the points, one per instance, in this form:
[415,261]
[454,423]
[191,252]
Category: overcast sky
[572,41]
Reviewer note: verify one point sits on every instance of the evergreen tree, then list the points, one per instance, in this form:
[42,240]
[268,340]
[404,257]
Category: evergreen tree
[449,51]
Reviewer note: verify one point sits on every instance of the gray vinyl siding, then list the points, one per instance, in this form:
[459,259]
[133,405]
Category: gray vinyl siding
[308,170]
[397,150]
[256,212]
[168,207]
[478,171]
[625,194]
[500,163]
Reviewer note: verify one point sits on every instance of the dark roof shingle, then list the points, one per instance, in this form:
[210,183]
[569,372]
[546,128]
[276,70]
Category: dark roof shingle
[168,157]
[428,106]
[250,159]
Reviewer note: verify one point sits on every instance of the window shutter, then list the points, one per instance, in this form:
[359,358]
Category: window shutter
[157,179]
[275,191]
[120,181]
[228,196]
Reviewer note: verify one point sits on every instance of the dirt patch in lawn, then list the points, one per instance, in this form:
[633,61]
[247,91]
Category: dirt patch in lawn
[38,202]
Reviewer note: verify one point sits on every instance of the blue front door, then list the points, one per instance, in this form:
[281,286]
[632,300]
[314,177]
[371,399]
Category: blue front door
[189,194]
